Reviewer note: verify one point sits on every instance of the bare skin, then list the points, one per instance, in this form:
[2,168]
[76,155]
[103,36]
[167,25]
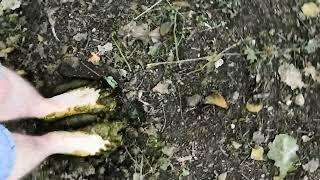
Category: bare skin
[18,99]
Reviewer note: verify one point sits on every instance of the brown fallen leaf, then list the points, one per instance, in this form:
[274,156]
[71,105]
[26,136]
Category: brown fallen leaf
[254,107]
[257,153]
[94,59]
[216,99]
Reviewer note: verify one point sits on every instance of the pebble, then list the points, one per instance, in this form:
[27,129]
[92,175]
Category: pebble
[299,100]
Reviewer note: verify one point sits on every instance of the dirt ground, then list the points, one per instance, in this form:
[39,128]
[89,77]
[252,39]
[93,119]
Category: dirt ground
[165,102]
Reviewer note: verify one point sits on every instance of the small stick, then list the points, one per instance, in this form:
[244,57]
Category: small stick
[205,58]
[175,36]
[122,55]
[147,10]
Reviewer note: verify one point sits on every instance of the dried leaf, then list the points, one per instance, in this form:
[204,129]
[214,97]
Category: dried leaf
[254,107]
[311,166]
[312,46]
[155,35]
[162,87]
[223,176]
[257,153]
[80,36]
[105,48]
[290,75]
[165,28]
[236,145]
[168,150]
[216,99]
[310,9]
[94,59]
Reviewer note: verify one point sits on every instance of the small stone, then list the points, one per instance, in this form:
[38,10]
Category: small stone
[299,100]
[235,96]
[194,100]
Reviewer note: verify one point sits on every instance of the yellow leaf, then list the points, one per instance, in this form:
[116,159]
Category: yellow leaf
[94,59]
[181,4]
[310,9]
[8,50]
[257,153]
[277,178]
[216,99]
[254,107]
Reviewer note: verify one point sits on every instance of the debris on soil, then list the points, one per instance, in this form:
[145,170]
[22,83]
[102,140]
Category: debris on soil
[313,45]
[305,138]
[163,87]
[216,99]
[94,59]
[257,153]
[194,100]
[310,9]
[258,137]
[168,150]
[299,100]
[80,36]
[105,48]
[311,166]
[254,107]
[223,176]
[9,4]
[283,151]
[290,75]
[236,145]
[165,28]
[310,70]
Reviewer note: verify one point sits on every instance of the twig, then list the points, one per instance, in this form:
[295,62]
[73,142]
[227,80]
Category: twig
[177,62]
[165,119]
[205,58]
[175,36]
[90,69]
[52,22]
[120,51]
[180,103]
[147,10]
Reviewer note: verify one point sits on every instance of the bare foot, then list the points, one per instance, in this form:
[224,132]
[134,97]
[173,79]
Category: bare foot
[73,102]
[75,143]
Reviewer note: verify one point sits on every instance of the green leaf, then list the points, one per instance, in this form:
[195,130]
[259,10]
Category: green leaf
[111,81]
[283,152]
[251,54]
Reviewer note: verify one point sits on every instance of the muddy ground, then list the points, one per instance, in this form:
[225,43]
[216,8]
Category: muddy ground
[205,137]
